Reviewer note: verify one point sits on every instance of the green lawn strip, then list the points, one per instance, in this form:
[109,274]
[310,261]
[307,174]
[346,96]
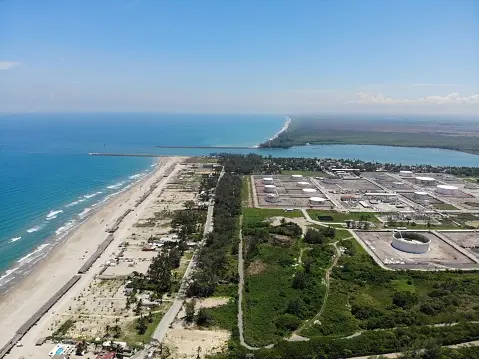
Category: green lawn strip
[255,215]
[245,191]
[341,217]
[444,206]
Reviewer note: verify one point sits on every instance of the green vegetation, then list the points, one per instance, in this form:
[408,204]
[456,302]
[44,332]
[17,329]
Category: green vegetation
[64,328]
[284,278]
[365,131]
[224,316]
[246,191]
[217,258]
[147,324]
[343,217]
[444,206]
[253,215]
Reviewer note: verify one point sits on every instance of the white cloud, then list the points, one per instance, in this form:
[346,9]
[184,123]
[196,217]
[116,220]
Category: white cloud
[451,99]
[7,65]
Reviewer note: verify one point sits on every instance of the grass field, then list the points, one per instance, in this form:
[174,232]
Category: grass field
[341,217]
[245,191]
[254,215]
[131,335]
[444,206]
[224,316]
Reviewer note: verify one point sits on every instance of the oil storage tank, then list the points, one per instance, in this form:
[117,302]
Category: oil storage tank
[447,190]
[425,180]
[269,188]
[411,242]
[303,184]
[272,198]
[316,201]
[268,180]
[406,173]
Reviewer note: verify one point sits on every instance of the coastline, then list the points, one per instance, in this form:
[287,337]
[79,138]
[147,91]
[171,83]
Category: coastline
[65,259]
[16,272]
[283,129]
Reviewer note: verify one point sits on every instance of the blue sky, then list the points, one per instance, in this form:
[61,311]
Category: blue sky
[240,56]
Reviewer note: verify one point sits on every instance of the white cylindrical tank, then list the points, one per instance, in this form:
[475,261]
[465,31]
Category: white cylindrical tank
[447,190]
[411,242]
[315,201]
[399,185]
[420,195]
[406,173]
[268,180]
[303,184]
[425,180]
[269,188]
[272,197]
[296,177]
[308,190]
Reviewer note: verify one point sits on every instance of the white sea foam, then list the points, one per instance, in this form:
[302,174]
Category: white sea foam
[28,258]
[61,231]
[34,229]
[74,203]
[87,196]
[53,214]
[116,185]
[7,274]
[136,176]
[11,240]
[83,213]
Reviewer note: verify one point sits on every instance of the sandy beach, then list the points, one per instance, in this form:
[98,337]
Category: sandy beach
[20,303]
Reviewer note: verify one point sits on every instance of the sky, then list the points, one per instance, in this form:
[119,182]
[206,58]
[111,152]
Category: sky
[265,56]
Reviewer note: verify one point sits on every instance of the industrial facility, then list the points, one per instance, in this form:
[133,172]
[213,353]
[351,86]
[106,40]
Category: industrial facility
[447,190]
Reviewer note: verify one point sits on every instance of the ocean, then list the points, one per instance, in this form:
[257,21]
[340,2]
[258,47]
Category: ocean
[49,184]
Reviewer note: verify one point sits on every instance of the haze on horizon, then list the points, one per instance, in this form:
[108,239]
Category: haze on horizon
[306,56]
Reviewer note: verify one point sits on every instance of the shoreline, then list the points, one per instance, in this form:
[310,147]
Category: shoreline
[54,241]
[66,259]
[283,129]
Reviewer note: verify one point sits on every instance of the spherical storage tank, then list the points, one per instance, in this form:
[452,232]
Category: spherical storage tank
[268,180]
[411,242]
[447,189]
[302,184]
[420,195]
[315,201]
[308,190]
[272,197]
[425,180]
[406,173]
[269,188]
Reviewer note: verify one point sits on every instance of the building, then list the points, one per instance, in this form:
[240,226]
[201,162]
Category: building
[447,190]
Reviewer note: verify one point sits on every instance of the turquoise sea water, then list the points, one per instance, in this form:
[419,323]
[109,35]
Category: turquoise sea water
[48,183]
